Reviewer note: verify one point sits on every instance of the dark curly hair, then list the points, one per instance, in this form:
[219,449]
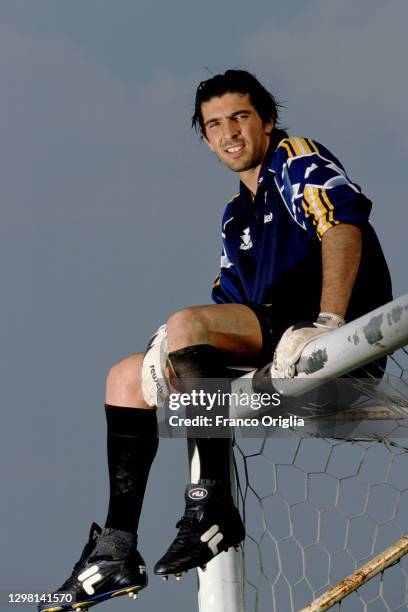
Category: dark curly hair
[239,81]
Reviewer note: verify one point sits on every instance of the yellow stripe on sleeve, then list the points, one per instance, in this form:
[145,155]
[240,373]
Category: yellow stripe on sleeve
[288,145]
[305,207]
[217,280]
[296,147]
[312,145]
[330,206]
[320,208]
[301,146]
[316,206]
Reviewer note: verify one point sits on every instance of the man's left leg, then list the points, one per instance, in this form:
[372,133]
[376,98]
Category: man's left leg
[202,340]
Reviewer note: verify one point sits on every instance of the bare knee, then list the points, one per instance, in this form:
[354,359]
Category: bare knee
[123,384]
[187,327]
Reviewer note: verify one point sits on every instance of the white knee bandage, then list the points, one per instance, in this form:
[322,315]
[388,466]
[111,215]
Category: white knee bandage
[155,387]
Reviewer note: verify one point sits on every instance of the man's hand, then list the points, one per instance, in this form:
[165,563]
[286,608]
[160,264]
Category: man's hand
[294,340]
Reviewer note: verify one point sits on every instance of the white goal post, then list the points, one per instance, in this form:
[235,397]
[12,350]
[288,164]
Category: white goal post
[220,587]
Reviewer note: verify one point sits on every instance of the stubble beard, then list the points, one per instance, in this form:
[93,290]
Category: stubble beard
[242,165]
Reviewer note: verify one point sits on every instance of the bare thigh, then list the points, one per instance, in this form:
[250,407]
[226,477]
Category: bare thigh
[232,328]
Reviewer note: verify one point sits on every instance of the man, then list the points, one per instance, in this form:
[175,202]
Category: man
[297,245]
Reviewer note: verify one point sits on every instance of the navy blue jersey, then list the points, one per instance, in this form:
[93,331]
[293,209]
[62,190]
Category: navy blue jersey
[272,242]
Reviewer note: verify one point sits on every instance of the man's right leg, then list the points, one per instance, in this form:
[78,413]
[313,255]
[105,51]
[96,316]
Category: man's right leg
[110,564]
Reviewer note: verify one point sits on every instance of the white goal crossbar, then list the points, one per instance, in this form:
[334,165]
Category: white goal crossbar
[352,346]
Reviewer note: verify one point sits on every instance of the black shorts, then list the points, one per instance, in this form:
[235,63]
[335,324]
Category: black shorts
[272,328]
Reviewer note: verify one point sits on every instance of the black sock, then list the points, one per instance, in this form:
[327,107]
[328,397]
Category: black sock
[214,455]
[204,361]
[132,446]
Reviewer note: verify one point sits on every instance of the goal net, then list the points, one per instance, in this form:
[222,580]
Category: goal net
[320,509]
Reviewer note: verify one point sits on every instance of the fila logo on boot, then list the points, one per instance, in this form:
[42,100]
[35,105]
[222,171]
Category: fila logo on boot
[198,493]
[90,577]
[212,537]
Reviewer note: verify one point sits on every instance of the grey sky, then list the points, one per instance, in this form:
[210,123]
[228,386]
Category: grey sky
[111,209]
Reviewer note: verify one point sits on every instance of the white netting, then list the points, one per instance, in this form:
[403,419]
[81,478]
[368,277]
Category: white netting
[316,509]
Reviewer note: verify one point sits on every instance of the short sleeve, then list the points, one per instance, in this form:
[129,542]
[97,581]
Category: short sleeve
[315,187]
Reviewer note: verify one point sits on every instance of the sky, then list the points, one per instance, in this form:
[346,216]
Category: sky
[111,211]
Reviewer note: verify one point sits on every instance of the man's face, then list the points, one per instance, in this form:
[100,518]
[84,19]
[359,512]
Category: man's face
[235,131]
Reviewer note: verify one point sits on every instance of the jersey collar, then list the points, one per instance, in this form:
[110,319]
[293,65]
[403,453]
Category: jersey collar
[265,173]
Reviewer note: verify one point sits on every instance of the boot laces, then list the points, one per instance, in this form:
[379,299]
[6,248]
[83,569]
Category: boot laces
[89,546]
[188,523]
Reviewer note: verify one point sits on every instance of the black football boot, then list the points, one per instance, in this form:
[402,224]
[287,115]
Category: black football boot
[110,565]
[211,524]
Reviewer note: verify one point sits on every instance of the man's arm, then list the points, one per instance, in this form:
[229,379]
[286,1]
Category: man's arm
[341,254]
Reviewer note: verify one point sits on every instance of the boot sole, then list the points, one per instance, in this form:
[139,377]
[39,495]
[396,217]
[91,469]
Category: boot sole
[84,605]
[178,574]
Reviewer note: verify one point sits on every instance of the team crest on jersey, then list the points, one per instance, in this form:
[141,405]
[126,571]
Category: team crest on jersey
[246,240]
[198,493]
[268,217]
